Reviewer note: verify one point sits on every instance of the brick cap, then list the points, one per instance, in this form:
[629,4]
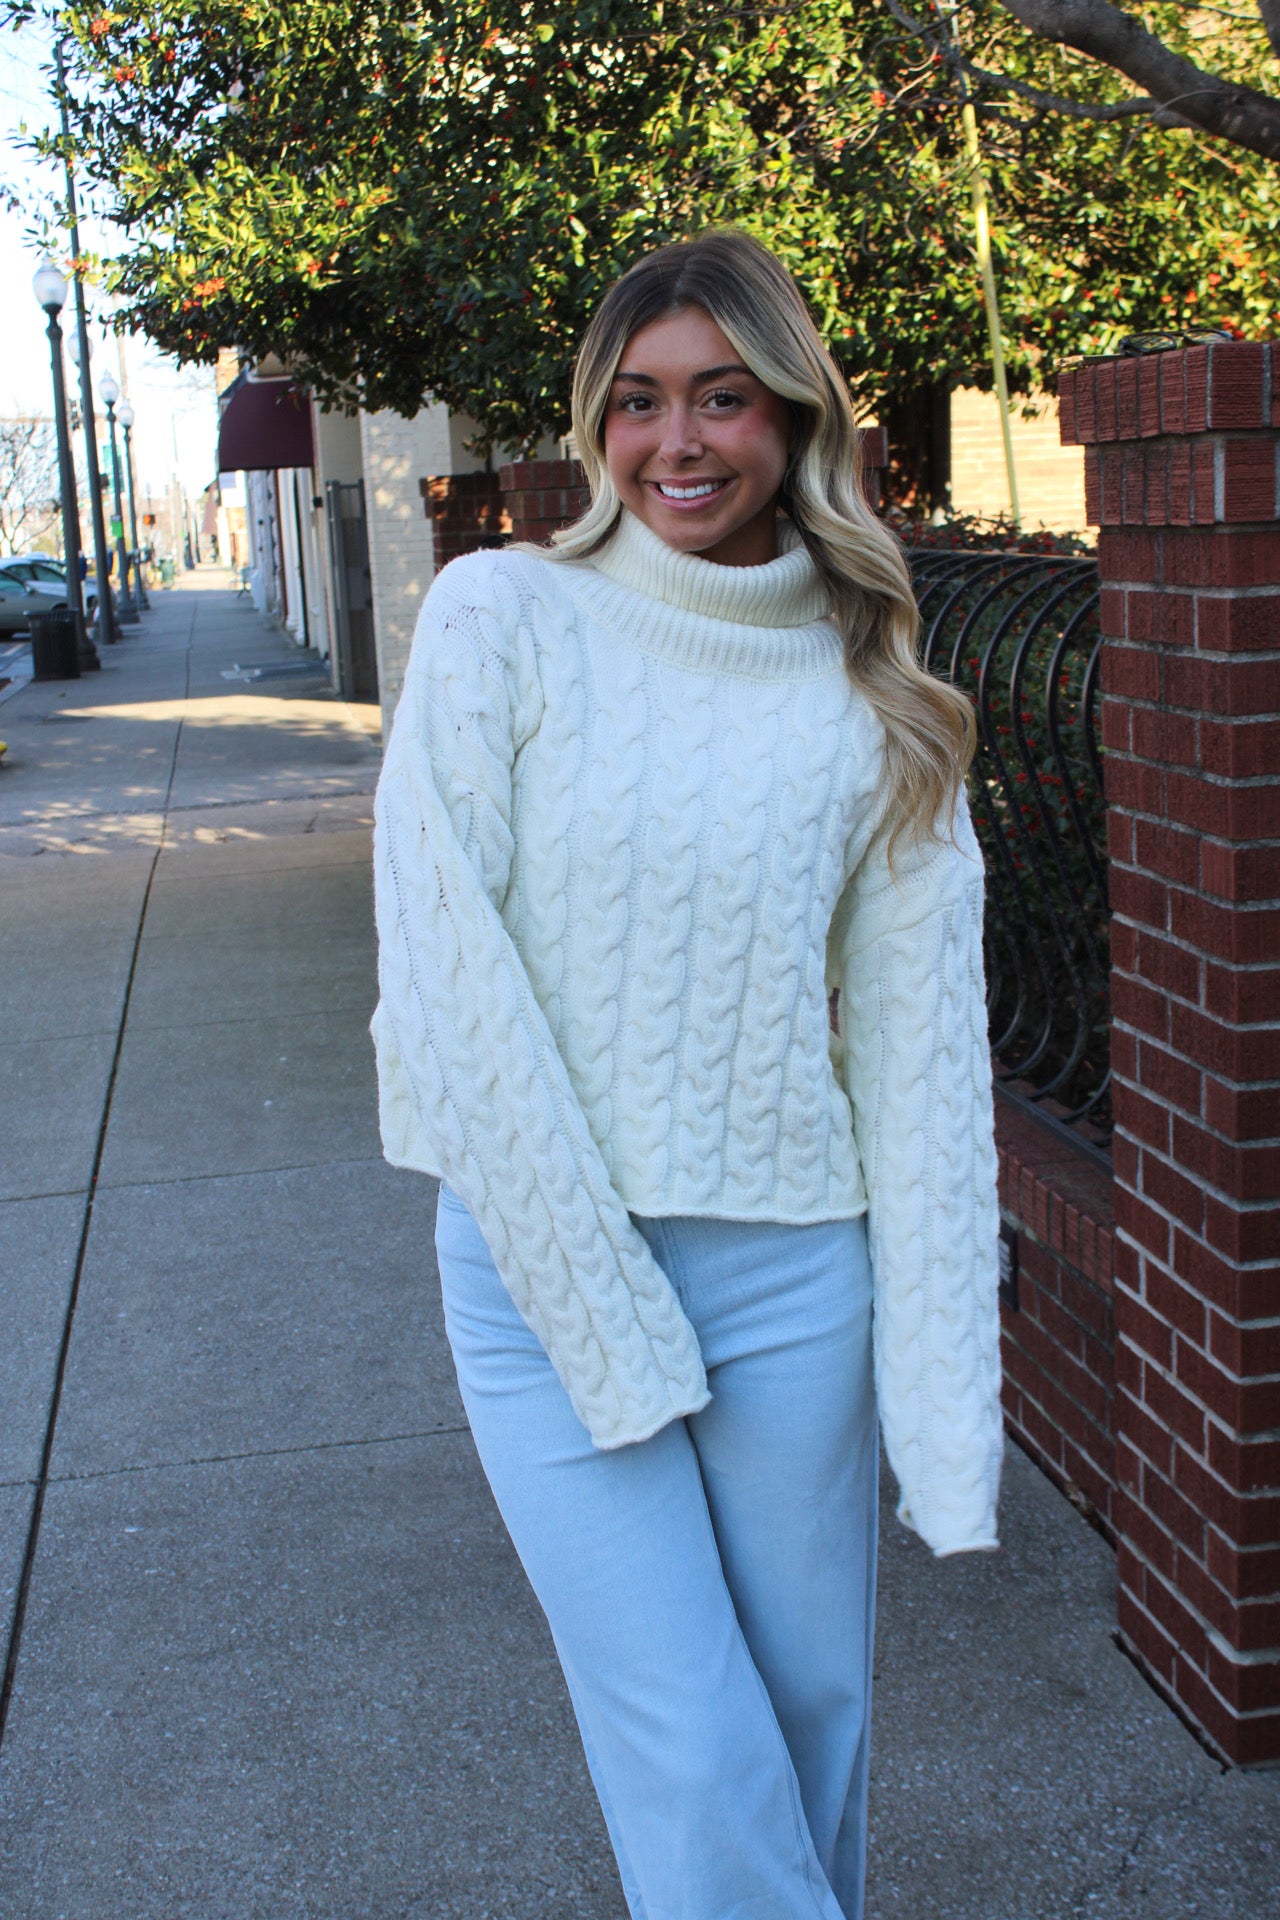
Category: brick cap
[1208,387]
[517,475]
[1055,1189]
[875,446]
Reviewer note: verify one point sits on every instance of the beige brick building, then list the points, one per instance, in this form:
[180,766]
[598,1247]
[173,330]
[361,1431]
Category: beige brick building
[1050,476]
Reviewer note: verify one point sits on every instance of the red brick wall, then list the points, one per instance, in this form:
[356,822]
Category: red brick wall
[875,459]
[466,511]
[1058,1347]
[540,496]
[1181,469]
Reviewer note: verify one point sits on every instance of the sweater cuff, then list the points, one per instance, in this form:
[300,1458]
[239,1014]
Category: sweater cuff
[633,1436]
[986,1543]
[953,1535]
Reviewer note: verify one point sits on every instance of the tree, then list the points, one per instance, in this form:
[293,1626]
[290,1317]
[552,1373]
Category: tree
[29,495]
[1179,91]
[428,199]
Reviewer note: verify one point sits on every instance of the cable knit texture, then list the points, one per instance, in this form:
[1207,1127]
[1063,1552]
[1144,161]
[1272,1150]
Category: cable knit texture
[627,839]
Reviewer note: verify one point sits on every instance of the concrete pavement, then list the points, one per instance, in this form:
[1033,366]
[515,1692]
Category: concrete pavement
[272,1657]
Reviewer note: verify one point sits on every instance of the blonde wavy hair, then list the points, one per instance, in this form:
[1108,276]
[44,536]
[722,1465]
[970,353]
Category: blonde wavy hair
[929,727]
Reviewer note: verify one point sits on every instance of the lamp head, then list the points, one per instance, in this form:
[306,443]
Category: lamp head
[73,344]
[124,414]
[49,286]
[109,388]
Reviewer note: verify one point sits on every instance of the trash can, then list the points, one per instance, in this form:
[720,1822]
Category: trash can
[54,655]
[166,572]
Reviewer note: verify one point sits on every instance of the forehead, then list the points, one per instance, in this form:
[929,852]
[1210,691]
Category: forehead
[682,342]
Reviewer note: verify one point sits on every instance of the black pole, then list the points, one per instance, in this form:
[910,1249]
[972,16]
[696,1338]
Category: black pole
[85,648]
[107,631]
[140,591]
[128,613]
[939,448]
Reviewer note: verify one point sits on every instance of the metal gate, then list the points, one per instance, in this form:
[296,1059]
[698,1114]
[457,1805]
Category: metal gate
[352,590]
[1019,633]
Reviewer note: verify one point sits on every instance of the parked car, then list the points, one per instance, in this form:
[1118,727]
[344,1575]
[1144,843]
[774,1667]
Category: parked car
[17,604]
[44,584]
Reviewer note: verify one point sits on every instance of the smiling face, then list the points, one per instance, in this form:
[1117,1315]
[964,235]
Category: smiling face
[695,444]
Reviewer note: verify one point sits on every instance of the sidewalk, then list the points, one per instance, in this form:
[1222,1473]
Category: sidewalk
[277,1660]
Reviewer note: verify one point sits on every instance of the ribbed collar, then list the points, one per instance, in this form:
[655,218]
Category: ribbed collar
[785,592]
[765,622]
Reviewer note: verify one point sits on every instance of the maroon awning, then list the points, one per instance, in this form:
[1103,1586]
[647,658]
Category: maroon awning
[265,423]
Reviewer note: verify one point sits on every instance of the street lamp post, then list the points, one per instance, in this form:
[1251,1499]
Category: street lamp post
[126,611]
[80,357]
[101,552]
[125,415]
[50,289]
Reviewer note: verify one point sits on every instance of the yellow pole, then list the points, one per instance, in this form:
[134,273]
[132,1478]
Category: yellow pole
[982,240]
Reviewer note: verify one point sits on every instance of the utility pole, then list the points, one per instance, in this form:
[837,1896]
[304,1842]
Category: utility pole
[982,247]
[106,611]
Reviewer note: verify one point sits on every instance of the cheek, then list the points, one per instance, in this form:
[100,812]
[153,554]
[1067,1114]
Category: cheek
[625,444]
[761,446]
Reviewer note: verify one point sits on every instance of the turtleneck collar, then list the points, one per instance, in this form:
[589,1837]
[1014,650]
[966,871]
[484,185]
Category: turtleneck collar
[785,592]
[767,622]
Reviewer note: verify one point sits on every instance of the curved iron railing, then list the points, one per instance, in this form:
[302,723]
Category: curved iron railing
[1019,633]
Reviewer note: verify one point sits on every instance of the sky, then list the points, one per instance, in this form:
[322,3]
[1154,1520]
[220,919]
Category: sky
[175,428]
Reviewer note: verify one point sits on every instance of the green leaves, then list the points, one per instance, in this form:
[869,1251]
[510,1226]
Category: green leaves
[431,199]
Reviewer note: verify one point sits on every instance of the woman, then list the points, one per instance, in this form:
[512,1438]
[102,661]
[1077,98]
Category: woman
[652,796]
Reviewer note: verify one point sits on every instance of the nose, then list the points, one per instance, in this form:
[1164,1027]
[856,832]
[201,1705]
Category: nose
[680,439]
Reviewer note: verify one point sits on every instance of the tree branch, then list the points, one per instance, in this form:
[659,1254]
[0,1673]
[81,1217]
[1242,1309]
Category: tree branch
[1058,103]
[1270,11]
[1036,96]
[1243,115]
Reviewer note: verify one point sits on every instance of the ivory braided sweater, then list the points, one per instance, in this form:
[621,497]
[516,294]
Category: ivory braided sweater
[627,840]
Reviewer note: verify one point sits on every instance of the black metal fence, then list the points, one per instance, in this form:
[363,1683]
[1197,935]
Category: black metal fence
[1019,633]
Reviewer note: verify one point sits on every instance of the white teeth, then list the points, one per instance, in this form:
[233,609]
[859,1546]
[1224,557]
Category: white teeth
[689,493]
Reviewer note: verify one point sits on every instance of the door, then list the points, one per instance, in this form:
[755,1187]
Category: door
[352,590]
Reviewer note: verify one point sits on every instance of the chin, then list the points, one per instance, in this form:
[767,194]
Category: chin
[695,538]
[679,531]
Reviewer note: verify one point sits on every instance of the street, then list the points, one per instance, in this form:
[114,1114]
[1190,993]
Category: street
[274,1656]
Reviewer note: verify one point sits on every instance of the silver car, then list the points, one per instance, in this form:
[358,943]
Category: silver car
[19,600]
[33,583]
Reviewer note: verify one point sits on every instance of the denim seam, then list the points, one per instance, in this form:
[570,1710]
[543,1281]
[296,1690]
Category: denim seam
[673,1262]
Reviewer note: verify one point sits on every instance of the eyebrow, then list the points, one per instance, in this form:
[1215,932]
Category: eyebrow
[708,373]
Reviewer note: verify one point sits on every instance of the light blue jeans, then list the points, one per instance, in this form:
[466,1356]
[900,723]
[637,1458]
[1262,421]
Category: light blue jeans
[711,1591]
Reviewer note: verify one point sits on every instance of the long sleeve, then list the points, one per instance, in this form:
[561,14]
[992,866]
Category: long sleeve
[906,952]
[465,1052]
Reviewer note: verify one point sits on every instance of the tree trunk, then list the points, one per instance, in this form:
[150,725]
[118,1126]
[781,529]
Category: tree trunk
[918,422]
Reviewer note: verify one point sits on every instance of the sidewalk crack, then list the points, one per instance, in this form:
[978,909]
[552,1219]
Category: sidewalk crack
[19,1615]
[256,1453]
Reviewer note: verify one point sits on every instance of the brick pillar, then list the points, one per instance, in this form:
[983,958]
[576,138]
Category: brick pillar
[875,462]
[466,512]
[1182,478]
[541,496]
